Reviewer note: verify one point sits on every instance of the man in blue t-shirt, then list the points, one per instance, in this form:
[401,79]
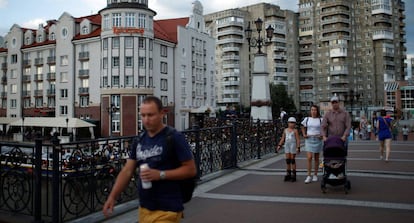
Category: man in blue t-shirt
[163,200]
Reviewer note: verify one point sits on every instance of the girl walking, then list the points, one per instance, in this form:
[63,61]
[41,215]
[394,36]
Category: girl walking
[290,138]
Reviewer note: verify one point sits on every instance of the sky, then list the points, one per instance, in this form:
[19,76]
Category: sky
[31,13]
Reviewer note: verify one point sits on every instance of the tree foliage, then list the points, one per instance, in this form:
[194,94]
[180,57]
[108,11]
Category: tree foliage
[280,99]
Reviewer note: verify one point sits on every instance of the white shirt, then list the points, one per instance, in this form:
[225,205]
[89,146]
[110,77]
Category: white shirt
[313,126]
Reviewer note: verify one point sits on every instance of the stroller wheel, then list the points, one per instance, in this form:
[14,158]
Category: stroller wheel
[323,186]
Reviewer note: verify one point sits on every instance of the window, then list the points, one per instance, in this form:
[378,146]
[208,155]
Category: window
[63,110]
[63,93]
[163,67]
[129,42]
[64,61]
[13,103]
[141,43]
[141,62]
[64,77]
[39,102]
[141,81]
[163,51]
[105,44]
[129,19]
[105,62]
[115,61]
[39,38]
[106,24]
[52,36]
[14,58]
[150,63]
[13,88]
[164,85]
[84,101]
[115,122]
[13,74]
[115,80]
[115,42]
[129,81]
[116,20]
[141,20]
[85,30]
[128,61]
[104,81]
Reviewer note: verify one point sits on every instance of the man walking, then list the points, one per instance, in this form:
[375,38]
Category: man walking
[336,122]
[159,194]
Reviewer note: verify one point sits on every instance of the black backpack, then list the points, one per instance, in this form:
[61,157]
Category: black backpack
[187,186]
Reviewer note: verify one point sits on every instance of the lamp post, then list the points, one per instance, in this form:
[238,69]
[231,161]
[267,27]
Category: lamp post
[260,98]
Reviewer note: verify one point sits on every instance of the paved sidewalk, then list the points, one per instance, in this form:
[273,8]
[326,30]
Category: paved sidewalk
[381,192]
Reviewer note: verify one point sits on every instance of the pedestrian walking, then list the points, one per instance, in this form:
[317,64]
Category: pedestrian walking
[162,165]
[384,134]
[336,122]
[369,131]
[311,131]
[291,141]
[405,132]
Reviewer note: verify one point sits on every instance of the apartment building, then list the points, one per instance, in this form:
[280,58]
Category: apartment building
[234,57]
[354,49]
[99,67]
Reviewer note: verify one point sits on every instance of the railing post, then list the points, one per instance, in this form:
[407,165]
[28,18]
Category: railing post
[38,181]
[197,157]
[234,144]
[55,179]
[258,139]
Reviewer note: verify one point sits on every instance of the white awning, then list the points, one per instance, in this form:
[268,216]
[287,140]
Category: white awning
[391,86]
[54,122]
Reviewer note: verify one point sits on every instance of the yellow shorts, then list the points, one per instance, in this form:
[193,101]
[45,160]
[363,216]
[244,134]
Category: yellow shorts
[148,216]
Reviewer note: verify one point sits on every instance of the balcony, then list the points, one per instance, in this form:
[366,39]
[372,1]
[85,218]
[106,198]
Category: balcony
[51,60]
[27,63]
[84,56]
[83,90]
[4,66]
[3,94]
[26,94]
[38,77]
[84,73]
[51,92]
[38,62]
[38,93]
[4,79]
[51,76]
[26,78]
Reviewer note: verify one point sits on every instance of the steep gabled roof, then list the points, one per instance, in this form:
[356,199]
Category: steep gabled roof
[167,29]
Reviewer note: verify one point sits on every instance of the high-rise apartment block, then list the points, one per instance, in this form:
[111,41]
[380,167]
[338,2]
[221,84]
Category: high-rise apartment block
[354,49]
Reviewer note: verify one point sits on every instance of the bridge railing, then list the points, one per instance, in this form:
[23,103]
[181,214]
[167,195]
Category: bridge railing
[53,182]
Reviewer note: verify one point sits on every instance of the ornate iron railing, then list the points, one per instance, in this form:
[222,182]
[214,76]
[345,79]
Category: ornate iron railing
[54,182]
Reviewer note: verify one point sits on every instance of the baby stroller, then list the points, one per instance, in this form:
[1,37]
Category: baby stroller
[334,164]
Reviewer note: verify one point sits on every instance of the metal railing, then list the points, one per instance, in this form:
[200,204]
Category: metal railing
[52,182]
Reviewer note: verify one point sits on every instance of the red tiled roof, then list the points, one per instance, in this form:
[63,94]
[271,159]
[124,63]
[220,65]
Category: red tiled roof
[95,33]
[44,43]
[95,19]
[167,29]
[3,50]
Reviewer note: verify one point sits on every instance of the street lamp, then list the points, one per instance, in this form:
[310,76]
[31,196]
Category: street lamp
[258,42]
[260,94]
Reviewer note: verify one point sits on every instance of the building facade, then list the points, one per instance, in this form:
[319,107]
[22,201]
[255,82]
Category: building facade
[354,49]
[100,67]
[234,57]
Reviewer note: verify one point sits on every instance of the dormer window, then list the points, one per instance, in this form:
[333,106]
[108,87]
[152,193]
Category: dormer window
[39,38]
[27,41]
[85,30]
[52,36]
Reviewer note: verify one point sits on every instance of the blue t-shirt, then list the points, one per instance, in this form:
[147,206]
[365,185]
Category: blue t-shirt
[165,194]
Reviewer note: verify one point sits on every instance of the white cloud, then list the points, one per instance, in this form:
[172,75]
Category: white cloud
[34,23]
[3,3]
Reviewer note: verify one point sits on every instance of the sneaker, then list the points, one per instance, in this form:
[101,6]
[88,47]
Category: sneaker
[314,178]
[308,179]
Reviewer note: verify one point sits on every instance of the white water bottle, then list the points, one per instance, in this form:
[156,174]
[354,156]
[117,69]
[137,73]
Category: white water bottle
[145,184]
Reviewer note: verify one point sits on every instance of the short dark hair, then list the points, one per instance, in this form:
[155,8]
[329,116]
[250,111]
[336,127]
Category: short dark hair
[383,112]
[156,100]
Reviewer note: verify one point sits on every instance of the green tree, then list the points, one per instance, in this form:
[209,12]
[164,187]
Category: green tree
[280,99]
